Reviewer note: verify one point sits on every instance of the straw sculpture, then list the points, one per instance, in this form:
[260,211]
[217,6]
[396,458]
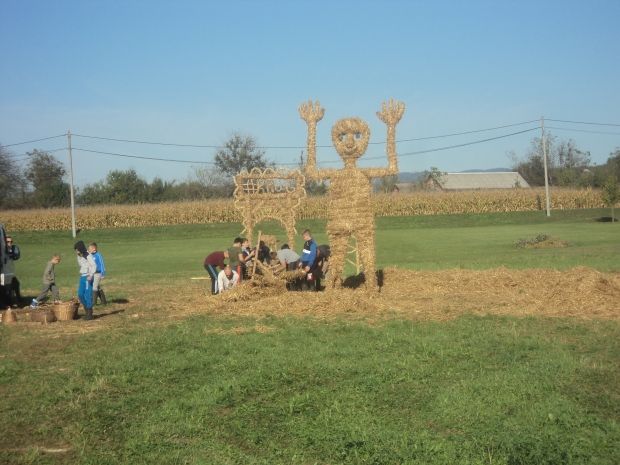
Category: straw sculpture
[269,195]
[350,188]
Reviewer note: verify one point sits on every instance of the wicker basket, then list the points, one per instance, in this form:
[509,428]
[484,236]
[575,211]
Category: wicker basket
[8,316]
[43,315]
[65,311]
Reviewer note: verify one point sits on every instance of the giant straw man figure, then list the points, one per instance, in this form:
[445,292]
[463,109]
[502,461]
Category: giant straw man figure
[349,188]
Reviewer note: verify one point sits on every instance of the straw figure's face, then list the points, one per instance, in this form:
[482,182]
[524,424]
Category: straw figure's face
[350,137]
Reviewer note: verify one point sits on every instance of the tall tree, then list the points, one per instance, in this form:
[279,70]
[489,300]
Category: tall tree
[240,152]
[46,175]
[10,179]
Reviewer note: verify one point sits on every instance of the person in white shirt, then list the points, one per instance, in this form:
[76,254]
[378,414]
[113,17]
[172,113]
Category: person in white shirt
[227,279]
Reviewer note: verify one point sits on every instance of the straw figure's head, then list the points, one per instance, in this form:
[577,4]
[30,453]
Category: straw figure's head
[350,137]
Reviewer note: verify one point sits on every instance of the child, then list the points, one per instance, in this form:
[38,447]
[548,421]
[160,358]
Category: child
[99,274]
[88,267]
[49,283]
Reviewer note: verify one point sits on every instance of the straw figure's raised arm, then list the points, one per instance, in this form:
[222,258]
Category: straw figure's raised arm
[390,115]
[311,114]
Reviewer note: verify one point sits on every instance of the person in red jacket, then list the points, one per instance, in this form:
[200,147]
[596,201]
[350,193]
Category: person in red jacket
[212,261]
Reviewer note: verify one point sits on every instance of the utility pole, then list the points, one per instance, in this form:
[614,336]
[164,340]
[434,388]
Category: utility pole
[544,144]
[71,183]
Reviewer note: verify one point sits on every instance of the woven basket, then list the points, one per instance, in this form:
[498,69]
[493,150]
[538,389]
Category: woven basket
[65,311]
[44,315]
[8,316]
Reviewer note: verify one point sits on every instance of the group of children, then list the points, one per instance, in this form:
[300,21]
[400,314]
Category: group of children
[92,272]
[314,260]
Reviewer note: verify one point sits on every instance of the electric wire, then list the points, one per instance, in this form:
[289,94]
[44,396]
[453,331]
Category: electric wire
[328,161]
[295,147]
[36,140]
[143,158]
[583,130]
[458,145]
[581,122]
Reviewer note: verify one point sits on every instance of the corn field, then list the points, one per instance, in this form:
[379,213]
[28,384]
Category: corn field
[223,211]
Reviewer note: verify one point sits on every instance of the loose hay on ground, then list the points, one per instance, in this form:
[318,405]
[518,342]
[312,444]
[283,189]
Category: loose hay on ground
[417,295]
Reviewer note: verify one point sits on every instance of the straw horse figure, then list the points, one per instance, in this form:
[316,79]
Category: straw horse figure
[349,188]
[269,195]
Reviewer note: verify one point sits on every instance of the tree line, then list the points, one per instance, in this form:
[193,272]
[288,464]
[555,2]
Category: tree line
[42,181]
[567,164]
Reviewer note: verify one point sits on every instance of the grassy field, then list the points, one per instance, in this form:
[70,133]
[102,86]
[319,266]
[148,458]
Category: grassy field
[228,389]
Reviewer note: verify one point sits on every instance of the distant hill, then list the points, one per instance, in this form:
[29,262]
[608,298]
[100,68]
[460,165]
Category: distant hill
[405,176]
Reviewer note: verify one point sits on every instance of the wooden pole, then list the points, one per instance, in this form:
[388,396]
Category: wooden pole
[260,233]
[71,183]
[544,144]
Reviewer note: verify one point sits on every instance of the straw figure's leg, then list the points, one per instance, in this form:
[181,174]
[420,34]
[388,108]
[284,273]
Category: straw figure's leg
[366,251]
[290,234]
[339,245]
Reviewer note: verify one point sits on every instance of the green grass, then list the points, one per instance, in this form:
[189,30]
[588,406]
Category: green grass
[158,254]
[474,390]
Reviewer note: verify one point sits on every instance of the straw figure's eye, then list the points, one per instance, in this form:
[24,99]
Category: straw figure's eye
[343,137]
[358,136]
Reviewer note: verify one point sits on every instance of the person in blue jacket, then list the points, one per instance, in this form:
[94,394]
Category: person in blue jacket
[99,274]
[308,257]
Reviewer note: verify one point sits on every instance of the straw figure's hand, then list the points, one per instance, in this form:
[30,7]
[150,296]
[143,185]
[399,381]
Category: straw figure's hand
[311,114]
[392,113]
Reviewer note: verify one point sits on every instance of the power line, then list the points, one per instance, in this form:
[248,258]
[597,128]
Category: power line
[37,140]
[143,158]
[581,122]
[461,145]
[295,147]
[584,130]
[468,132]
[330,161]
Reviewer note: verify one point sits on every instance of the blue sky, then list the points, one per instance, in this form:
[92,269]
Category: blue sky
[189,72]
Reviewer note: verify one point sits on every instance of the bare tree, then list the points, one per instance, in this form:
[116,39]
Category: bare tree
[11,179]
[209,182]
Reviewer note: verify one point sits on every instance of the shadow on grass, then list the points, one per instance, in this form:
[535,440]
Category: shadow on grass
[102,315]
[605,219]
[119,301]
[355,281]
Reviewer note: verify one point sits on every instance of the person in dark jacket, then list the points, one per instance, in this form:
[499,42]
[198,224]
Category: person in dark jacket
[308,259]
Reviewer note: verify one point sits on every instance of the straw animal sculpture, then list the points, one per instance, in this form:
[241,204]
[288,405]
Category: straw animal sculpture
[350,209]
[269,195]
